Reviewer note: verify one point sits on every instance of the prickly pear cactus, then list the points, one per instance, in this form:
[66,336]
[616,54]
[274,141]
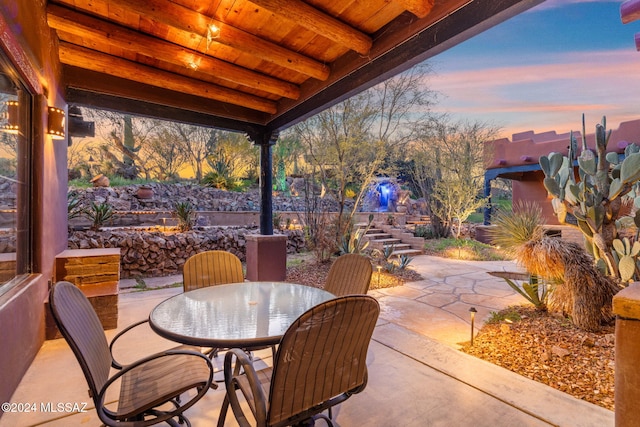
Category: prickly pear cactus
[592,201]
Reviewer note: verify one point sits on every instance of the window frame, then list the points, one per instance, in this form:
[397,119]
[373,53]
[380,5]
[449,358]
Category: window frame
[23,222]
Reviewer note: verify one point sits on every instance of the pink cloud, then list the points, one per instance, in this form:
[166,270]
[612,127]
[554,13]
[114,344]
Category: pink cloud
[545,96]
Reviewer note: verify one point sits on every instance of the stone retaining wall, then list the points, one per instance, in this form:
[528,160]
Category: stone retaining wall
[152,253]
[165,196]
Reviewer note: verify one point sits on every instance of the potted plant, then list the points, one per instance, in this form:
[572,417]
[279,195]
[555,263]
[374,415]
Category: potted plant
[144,192]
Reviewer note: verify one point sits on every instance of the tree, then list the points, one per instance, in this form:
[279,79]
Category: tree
[448,169]
[233,156]
[122,139]
[354,141]
[195,142]
[166,157]
[81,157]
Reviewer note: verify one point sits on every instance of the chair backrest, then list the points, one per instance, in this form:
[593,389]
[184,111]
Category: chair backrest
[349,274]
[81,328]
[211,268]
[322,355]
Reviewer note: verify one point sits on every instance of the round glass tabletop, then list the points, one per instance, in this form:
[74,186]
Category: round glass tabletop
[246,315]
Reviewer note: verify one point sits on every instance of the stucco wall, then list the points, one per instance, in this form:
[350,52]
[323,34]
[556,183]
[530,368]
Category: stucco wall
[531,189]
[25,38]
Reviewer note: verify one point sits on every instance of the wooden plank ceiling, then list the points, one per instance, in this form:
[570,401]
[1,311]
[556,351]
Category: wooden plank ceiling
[250,65]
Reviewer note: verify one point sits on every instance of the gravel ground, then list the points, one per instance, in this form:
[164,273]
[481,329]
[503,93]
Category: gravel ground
[547,348]
[310,273]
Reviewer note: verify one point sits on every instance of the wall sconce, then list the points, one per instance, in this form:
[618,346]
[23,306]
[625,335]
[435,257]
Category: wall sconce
[55,127]
[11,116]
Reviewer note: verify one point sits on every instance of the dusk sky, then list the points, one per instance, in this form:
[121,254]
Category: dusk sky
[543,68]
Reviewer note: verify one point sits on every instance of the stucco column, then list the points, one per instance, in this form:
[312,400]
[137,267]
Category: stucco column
[266,257]
[626,307]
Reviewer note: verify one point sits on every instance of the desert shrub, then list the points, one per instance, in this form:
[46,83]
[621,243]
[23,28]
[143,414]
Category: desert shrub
[185,214]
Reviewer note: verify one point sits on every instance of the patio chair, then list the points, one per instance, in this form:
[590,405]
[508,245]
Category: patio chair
[211,268]
[349,274]
[320,362]
[149,389]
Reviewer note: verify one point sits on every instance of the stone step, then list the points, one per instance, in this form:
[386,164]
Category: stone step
[378,236]
[387,242]
[409,252]
[374,231]
[401,246]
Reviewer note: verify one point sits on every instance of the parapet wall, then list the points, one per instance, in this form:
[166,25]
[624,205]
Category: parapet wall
[525,148]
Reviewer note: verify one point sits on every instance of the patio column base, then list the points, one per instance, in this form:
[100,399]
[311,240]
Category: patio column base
[97,273]
[266,257]
[626,306]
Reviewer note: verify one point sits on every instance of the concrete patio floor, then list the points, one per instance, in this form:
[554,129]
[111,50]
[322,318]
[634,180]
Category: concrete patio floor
[417,376]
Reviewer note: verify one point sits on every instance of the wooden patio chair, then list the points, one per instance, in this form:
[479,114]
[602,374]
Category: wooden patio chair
[350,274]
[211,268]
[320,362]
[146,386]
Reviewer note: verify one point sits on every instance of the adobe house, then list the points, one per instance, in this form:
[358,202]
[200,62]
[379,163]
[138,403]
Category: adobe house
[517,159]
[259,70]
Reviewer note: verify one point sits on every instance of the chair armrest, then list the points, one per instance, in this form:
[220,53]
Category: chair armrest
[168,353]
[114,363]
[243,366]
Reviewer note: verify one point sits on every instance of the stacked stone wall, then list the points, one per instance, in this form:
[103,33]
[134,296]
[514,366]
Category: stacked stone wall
[151,253]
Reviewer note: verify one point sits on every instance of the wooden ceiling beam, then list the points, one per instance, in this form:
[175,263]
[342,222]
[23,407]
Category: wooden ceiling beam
[322,24]
[96,90]
[92,29]
[419,8]
[197,24]
[100,62]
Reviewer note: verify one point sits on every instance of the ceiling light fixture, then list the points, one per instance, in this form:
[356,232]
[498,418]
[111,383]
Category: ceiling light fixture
[213,32]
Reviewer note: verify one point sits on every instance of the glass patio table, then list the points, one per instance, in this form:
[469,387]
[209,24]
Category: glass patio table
[247,315]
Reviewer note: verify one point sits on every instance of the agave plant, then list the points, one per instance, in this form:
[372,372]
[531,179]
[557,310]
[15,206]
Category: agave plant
[185,214]
[74,209]
[530,287]
[353,242]
[99,214]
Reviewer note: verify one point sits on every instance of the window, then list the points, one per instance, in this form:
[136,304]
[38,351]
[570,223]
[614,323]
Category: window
[15,159]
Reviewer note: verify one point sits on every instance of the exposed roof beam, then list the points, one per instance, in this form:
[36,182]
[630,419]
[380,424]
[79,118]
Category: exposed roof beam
[93,89]
[420,8]
[93,29]
[318,22]
[196,24]
[96,61]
